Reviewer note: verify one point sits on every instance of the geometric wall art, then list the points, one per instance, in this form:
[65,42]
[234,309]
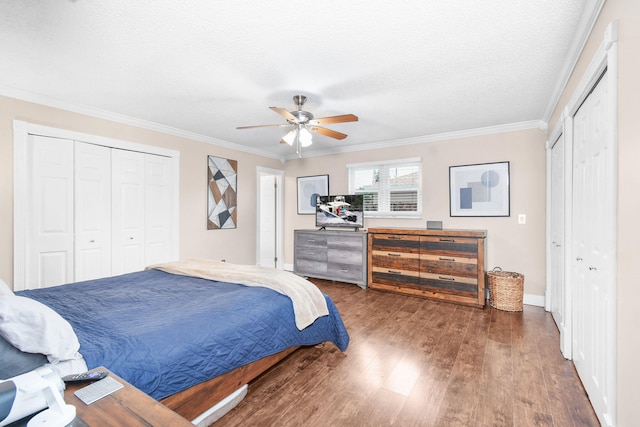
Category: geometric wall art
[222,199]
[309,187]
[479,190]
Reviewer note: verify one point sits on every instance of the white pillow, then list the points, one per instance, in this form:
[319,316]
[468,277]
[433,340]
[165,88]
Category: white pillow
[32,327]
[4,289]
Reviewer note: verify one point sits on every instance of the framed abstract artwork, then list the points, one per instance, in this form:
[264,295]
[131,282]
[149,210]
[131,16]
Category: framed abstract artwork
[309,187]
[222,197]
[479,190]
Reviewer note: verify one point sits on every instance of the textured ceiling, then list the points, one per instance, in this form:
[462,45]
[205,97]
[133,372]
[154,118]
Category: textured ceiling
[408,69]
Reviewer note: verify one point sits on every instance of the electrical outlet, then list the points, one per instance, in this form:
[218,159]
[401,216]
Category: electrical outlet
[522,218]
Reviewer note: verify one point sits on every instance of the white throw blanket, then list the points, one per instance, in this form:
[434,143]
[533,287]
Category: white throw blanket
[308,301]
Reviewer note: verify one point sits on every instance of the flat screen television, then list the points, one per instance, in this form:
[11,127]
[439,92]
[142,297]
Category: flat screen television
[340,211]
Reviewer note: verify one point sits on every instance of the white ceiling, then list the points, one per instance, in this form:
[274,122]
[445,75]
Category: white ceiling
[408,69]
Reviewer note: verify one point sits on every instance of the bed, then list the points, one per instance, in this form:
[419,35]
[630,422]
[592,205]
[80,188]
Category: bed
[187,334]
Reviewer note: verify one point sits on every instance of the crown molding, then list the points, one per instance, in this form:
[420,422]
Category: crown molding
[511,127]
[132,121]
[126,120]
[581,36]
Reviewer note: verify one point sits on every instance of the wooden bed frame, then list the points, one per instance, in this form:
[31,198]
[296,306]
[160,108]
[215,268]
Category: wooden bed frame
[197,399]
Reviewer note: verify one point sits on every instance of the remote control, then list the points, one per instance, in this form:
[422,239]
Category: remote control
[85,377]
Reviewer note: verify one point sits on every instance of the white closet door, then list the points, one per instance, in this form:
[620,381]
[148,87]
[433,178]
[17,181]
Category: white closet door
[558,299]
[267,221]
[158,209]
[49,235]
[127,211]
[593,250]
[92,211]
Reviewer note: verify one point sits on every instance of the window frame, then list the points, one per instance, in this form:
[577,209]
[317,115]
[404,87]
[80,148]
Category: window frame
[384,190]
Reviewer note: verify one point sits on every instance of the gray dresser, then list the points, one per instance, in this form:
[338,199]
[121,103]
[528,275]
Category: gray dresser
[331,254]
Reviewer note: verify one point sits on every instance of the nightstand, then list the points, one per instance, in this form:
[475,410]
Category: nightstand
[125,407]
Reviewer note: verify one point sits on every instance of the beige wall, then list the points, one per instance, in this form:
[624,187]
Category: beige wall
[627,13]
[509,245]
[236,245]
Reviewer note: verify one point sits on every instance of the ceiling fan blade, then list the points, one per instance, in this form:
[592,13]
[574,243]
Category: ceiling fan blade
[334,119]
[327,132]
[284,113]
[263,126]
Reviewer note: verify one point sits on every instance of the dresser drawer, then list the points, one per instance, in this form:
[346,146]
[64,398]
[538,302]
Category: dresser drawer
[309,267]
[311,253]
[341,271]
[447,265]
[395,243]
[346,257]
[455,247]
[396,260]
[449,284]
[393,276]
[346,242]
[311,239]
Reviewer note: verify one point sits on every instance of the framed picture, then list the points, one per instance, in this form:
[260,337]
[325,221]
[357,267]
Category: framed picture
[309,187]
[479,190]
[222,193]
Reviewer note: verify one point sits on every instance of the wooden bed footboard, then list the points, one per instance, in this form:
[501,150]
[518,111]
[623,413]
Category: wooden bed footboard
[195,400]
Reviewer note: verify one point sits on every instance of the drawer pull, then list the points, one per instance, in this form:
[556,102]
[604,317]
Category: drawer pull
[392,254]
[395,238]
[394,271]
[447,240]
[343,270]
[446,259]
[447,278]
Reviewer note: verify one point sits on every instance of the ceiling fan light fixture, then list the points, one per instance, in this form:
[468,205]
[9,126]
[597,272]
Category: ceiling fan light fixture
[290,137]
[305,137]
[304,123]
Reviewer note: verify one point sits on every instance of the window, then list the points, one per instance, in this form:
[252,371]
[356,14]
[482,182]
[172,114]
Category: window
[390,189]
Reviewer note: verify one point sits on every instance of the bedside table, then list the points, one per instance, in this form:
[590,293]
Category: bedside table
[125,407]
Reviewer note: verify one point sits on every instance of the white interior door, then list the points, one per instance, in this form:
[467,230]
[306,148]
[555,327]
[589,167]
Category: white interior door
[127,211]
[593,246]
[158,221]
[92,255]
[558,300]
[269,218]
[49,233]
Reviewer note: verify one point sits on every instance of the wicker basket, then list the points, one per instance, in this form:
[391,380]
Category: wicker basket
[505,289]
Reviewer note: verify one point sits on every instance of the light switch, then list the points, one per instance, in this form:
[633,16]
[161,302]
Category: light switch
[522,218]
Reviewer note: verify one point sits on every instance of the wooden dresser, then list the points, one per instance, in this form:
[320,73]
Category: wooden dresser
[331,254]
[443,264]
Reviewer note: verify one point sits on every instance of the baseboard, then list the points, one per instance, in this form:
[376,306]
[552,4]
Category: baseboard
[537,300]
[287,267]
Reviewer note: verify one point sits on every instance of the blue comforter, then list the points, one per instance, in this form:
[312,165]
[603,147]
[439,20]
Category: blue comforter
[164,333]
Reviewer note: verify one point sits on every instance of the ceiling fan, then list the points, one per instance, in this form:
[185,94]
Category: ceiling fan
[303,124]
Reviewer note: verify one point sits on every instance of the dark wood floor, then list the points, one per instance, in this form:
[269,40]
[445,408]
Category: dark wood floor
[416,362]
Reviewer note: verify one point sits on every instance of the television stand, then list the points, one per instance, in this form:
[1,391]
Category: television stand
[338,255]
